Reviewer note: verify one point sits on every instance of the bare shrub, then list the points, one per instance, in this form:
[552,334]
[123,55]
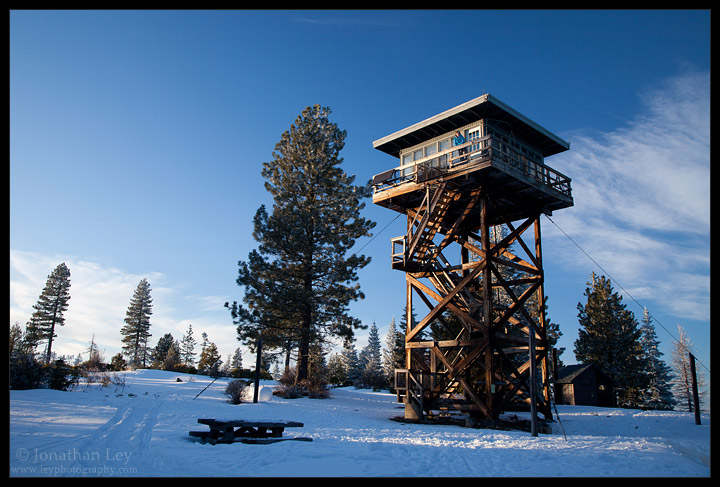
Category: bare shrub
[236,391]
[315,388]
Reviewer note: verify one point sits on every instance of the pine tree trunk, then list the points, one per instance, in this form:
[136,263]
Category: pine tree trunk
[52,332]
[304,346]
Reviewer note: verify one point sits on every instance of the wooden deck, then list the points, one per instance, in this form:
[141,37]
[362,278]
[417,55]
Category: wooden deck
[519,186]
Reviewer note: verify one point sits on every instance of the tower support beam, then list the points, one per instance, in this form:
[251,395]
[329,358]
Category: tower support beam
[482,342]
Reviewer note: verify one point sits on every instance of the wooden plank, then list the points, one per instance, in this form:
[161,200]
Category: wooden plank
[419,286]
[205,437]
[250,424]
[267,441]
[445,301]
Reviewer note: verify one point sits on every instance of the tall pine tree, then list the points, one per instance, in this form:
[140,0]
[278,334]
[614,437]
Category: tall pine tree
[657,394]
[187,347]
[373,374]
[394,352]
[351,362]
[48,314]
[136,331]
[373,351]
[299,282]
[609,337]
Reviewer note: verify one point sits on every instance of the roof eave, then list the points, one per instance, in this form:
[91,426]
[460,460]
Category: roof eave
[459,116]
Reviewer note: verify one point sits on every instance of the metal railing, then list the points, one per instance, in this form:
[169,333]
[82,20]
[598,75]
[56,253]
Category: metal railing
[489,148]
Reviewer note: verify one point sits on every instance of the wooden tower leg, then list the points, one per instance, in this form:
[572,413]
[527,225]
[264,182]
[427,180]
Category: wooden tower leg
[487,318]
[472,350]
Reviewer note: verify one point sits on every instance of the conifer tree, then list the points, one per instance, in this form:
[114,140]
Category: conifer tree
[209,360]
[236,360]
[24,372]
[609,338]
[49,309]
[371,361]
[553,334]
[17,339]
[336,372]
[658,394]
[317,367]
[136,330]
[351,362]
[159,353]
[205,342]
[404,328]
[172,357]
[682,382]
[187,347]
[394,352]
[373,350]
[117,362]
[299,282]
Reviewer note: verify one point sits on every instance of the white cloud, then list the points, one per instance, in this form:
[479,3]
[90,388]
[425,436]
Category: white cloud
[642,199]
[99,298]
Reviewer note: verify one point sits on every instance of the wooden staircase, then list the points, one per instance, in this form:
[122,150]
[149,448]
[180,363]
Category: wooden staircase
[428,219]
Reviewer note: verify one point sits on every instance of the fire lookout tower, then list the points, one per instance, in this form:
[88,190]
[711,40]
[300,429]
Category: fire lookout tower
[472,255]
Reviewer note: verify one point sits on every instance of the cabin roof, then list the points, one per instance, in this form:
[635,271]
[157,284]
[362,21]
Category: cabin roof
[568,373]
[482,107]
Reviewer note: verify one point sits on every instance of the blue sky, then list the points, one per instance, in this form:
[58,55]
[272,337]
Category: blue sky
[137,139]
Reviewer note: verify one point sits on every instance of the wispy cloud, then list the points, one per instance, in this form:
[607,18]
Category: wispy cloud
[642,198]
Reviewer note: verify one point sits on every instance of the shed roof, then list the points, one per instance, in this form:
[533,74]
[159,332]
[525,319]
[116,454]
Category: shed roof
[569,373]
[482,107]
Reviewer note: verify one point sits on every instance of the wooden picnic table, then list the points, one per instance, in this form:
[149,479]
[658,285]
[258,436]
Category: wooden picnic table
[258,432]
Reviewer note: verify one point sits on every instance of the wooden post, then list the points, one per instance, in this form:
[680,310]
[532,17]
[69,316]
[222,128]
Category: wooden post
[487,318]
[258,362]
[533,383]
[544,361]
[696,397]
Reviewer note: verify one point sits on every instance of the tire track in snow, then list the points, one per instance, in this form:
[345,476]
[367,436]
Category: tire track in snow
[122,444]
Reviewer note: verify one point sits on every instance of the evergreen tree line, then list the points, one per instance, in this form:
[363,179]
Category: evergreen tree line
[33,363]
[628,352]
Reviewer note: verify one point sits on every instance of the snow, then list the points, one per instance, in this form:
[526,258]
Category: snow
[141,429]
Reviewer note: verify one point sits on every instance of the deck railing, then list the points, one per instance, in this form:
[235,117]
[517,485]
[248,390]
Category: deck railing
[489,148]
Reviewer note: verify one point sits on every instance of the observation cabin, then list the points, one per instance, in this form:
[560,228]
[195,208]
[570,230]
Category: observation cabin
[504,151]
[462,176]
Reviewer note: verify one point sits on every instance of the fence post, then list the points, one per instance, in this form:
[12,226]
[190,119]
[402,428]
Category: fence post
[533,383]
[258,364]
[696,398]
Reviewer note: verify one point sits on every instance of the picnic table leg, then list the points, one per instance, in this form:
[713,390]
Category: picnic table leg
[228,434]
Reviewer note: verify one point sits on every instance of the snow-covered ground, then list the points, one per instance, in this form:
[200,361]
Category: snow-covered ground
[142,430]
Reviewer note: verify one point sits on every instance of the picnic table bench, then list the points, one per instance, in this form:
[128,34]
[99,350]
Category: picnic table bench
[257,432]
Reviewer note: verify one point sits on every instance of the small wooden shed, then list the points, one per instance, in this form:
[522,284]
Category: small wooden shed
[584,385]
